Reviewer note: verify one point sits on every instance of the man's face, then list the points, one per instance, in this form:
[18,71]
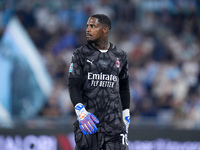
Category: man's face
[94,31]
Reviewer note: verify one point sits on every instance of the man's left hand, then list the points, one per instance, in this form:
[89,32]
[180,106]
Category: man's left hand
[126,118]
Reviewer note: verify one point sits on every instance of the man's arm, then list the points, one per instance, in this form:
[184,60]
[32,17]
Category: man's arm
[75,90]
[86,119]
[125,93]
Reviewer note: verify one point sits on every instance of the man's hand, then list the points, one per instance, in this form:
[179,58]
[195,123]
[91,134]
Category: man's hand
[126,118]
[86,120]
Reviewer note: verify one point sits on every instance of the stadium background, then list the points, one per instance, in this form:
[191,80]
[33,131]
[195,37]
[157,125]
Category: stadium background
[162,39]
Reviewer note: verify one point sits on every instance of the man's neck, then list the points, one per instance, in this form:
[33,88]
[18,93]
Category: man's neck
[102,45]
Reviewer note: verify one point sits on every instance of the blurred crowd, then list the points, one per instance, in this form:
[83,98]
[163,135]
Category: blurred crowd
[161,38]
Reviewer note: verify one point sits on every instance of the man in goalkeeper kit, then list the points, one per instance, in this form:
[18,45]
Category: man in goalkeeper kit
[99,90]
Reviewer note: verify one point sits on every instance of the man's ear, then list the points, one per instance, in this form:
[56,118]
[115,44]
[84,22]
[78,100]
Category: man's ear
[105,29]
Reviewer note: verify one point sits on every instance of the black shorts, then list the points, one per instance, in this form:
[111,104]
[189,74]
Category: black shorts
[100,141]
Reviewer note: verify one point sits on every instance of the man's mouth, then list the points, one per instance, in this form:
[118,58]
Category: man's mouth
[88,35]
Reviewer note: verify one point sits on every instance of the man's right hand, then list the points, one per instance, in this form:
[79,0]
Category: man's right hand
[86,119]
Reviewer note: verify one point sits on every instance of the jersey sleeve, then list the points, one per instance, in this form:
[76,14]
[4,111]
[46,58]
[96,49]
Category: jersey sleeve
[124,85]
[75,79]
[75,69]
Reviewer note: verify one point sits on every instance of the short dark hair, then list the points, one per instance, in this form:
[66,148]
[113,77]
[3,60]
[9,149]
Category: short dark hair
[103,19]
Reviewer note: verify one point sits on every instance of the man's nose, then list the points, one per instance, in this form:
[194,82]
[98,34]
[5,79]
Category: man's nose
[88,29]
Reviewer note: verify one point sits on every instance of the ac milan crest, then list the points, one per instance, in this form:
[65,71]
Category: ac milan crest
[117,63]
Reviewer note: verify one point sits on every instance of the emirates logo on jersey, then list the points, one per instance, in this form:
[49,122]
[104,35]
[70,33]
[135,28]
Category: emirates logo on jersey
[117,63]
[102,80]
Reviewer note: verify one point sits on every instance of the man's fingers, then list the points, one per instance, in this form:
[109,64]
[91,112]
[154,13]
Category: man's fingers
[91,127]
[87,125]
[83,129]
[87,129]
[94,119]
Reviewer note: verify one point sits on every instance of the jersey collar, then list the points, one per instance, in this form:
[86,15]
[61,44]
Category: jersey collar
[90,46]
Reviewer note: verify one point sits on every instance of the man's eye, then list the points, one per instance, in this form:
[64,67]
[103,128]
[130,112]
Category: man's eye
[91,26]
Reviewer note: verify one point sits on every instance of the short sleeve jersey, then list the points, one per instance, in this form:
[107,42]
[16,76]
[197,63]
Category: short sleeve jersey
[100,74]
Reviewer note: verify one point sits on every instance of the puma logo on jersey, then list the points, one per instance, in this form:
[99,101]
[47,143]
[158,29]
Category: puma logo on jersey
[91,62]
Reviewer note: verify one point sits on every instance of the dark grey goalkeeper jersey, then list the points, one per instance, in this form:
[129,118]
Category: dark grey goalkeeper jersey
[99,76]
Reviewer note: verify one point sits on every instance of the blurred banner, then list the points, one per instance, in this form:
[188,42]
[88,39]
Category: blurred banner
[24,81]
[63,139]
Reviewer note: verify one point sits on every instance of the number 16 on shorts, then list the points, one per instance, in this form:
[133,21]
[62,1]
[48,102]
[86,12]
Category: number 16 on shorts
[124,139]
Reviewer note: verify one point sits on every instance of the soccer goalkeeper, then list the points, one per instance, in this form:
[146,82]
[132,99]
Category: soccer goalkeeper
[99,90]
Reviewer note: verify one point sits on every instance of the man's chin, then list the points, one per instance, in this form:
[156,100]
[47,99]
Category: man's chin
[89,41]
